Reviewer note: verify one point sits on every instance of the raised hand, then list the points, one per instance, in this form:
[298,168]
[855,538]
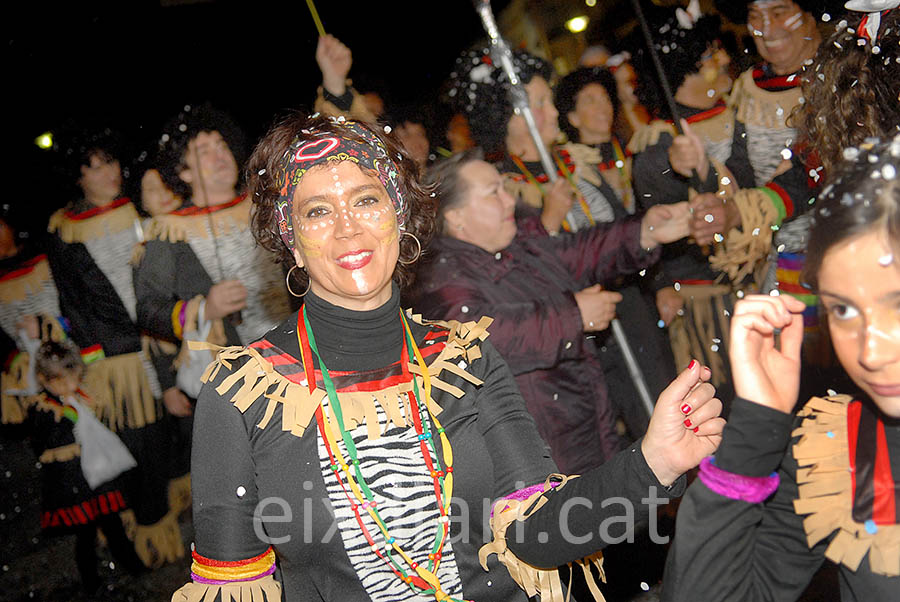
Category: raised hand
[763,372]
[335,60]
[665,223]
[687,154]
[177,403]
[685,426]
[597,307]
[225,298]
[557,203]
[712,214]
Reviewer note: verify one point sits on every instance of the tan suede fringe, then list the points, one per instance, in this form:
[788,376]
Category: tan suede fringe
[261,590]
[258,379]
[160,542]
[714,129]
[110,222]
[178,228]
[691,335]
[32,283]
[544,583]
[825,491]
[759,107]
[742,250]
[120,392]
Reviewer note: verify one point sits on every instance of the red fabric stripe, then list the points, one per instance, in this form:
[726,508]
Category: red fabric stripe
[79,514]
[376,385]
[785,198]
[261,344]
[26,268]
[436,334]
[854,411]
[884,508]
[430,350]
[104,507]
[306,351]
[226,563]
[282,359]
[709,113]
[696,282]
[204,210]
[86,509]
[97,210]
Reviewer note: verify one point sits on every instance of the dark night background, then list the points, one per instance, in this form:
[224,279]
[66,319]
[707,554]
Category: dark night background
[133,65]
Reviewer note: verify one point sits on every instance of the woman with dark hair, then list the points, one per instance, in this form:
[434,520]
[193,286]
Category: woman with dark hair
[783,493]
[584,193]
[362,423]
[865,68]
[89,250]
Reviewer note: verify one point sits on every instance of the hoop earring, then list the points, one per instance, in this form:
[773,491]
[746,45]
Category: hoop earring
[287,282]
[418,252]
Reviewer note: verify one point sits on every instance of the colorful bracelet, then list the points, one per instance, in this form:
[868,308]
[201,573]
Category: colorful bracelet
[734,486]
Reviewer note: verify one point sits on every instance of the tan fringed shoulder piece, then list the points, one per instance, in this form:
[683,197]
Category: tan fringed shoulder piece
[825,491]
[584,156]
[544,583]
[744,247]
[27,284]
[763,108]
[523,190]
[261,590]
[73,230]
[649,135]
[258,379]
[173,227]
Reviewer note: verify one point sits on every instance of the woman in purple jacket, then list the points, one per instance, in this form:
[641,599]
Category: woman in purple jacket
[545,296]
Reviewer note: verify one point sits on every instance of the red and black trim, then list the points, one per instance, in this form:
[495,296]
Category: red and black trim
[84,513]
[345,382]
[766,79]
[875,490]
[194,210]
[95,211]
[23,269]
[704,115]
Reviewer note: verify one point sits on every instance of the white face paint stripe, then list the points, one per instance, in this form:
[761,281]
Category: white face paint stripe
[793,23]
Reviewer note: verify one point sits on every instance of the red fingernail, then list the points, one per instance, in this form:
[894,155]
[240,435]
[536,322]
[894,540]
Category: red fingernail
[692,364]
[685,409]
[687,422]
[696,428]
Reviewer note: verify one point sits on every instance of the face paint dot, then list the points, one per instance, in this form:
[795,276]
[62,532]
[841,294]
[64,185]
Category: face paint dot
[708,218]
[241,491]
[888,172]
[886,260]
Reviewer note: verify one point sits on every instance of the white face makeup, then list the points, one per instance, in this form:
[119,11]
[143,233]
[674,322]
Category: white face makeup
[346,235]
[859,285]
[784,34]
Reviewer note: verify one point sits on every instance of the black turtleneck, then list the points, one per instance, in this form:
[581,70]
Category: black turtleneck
[348,341]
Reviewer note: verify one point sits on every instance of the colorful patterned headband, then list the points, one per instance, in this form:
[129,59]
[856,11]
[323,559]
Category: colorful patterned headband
[316,148]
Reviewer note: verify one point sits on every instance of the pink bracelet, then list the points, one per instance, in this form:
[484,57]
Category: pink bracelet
[737,487]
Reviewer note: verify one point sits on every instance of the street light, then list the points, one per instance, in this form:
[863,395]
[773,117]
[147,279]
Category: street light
[577,24]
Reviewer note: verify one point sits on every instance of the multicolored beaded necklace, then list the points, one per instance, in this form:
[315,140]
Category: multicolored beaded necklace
[564,170]
[421,579]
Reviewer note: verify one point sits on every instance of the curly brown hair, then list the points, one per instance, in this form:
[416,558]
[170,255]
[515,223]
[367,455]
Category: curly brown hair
[851,91]
[266,163]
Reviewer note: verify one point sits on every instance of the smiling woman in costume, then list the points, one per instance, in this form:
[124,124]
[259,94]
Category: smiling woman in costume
[760,520]
[360,429]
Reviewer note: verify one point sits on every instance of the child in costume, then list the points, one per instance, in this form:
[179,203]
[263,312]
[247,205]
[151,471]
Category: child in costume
[783,493]
[80,460]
